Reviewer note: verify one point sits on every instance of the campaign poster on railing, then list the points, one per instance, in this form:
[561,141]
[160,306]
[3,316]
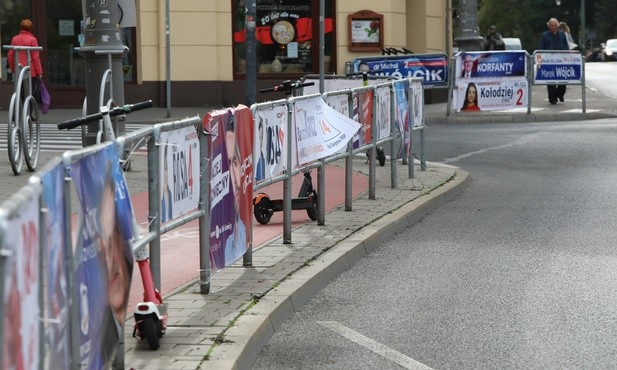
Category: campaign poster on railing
[416,95]
[557,68]
[432,68]
[338,102]
[57,294]
[104,256]
[231,184]
[363,113]
[491,95]
[270,147]
[402,119]
[490,65]
[179,172]
[383,112]
[20,324]
[320,131]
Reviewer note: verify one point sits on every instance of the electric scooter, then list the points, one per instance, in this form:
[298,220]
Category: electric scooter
[263,206]
[151,314]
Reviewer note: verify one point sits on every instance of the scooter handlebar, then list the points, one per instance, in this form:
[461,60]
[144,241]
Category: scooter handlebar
[116,111]
[286,86]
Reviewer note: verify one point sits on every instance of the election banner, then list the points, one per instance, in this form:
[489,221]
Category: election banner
[490,65]
[104,255]
[363,113]
[270,147]
[57,295]
[402,117]
[551,68]
[338,102]
[491,95]
[179,172]
[417,103]
[319,130]
[432,68]
[383,112]
[20,324]
[231,184]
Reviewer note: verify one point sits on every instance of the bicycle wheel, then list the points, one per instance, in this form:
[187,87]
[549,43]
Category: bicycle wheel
[12,123]
[15,153]
[31,132]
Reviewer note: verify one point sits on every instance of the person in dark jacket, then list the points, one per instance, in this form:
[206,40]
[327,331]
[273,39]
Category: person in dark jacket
[554,39]
[494,41]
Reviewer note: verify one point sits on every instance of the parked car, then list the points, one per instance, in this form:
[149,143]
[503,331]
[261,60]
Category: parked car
[610,50]
[512,43]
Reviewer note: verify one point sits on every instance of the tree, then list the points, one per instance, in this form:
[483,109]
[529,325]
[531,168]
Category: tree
[605,15]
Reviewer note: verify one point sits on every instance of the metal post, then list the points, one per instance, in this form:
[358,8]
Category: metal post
[469,34]
[204,220]
[251,52]
[349,161]
[373,151]
[584,86]
[154,206]
[393,131]
[321,175]
[101,32]
[167,60]
[287,182]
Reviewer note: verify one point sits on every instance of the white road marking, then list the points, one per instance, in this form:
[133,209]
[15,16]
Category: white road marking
[378,348]
[520,141]
[580,110]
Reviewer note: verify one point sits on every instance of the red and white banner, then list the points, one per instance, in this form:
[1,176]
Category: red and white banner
[491,95]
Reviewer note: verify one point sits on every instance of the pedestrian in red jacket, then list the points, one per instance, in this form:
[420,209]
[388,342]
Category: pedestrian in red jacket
[26,38]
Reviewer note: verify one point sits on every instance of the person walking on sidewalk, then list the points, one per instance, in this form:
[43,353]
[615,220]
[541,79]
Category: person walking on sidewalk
[26,38]
[554,39]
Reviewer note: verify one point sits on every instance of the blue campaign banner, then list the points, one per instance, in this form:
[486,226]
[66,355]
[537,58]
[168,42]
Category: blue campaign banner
[557,68]
[57,296]
[432,68]
[491,64]
[104,256]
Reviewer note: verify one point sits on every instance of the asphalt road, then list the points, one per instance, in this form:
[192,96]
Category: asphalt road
[519,272]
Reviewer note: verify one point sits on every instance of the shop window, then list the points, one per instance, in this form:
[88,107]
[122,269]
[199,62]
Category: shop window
[286,34]
[11,13]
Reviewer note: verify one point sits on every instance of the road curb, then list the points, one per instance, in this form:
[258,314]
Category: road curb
[254,328]
[516,118]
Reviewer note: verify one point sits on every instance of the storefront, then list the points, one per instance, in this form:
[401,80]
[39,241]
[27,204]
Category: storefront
[57,26]
[287,33]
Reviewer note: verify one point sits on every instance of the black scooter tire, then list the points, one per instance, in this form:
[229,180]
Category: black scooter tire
[262,211]
[313,199]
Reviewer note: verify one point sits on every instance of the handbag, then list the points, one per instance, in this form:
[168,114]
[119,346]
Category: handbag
[45,97]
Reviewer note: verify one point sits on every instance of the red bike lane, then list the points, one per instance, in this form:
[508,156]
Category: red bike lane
[180,247]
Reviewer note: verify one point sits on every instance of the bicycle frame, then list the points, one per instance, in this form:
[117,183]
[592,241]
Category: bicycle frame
[23,129]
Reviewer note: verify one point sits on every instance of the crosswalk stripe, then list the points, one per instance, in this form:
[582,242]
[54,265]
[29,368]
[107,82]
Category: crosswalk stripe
[53,140]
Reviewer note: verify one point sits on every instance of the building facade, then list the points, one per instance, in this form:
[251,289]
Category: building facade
[208,43]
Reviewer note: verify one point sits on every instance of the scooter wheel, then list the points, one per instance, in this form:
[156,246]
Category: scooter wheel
[313,200]
[150,330]
[262,211]
[381,157]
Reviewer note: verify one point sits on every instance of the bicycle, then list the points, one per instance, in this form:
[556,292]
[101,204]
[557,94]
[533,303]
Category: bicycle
[263,206]
[106,80]
[24,125]
[151,314]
